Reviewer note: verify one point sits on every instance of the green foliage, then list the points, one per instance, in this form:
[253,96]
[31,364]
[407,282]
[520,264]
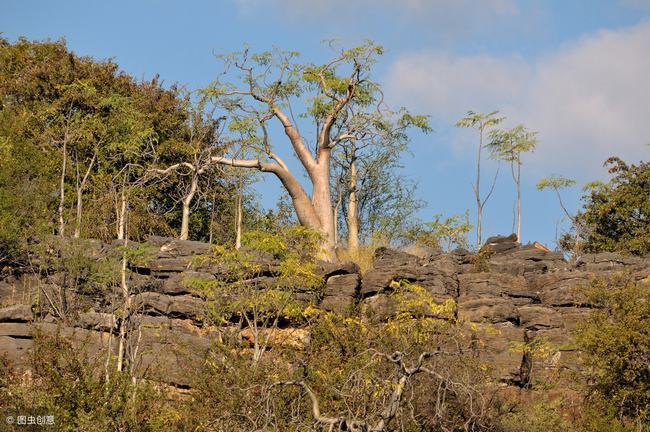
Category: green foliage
[70,382]
[542,416]
[243,291]
[616,215]
[615,343]
[481,260]
[80,118]
[445,234]
[508,145]
[555,182]
[479,121]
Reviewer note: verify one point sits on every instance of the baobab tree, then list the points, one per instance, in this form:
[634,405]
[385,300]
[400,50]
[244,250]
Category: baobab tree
[508,145]
[482,123]
[270,84]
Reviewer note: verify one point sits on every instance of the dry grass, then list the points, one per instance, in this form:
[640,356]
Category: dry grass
[364,256]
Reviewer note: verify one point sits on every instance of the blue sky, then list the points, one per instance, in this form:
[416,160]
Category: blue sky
[575,71]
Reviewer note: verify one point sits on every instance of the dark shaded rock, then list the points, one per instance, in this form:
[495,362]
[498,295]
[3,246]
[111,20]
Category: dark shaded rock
[537,317]
[16,330]
[16,350]
[16,313]
[169,247]
[144,283]
[387,257]
[497,351]
[169,265]
[377,280]
[181,306]
[338,304]
[607,262]
[527,260]
[563,288]
[382,307]
[495,284]
[437,276]
[500,244]
[343,285]
[182,283]
[328,270]
[487,309]
[96,321]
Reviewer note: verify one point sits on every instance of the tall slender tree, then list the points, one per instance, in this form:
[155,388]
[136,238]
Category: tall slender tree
[482,123]
[509,145]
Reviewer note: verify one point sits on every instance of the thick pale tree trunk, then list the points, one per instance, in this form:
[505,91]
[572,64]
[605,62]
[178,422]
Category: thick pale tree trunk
[322,204]
[353,212]
[187,203]
[314,213]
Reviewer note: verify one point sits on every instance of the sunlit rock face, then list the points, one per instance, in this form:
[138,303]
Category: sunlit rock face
[519,295]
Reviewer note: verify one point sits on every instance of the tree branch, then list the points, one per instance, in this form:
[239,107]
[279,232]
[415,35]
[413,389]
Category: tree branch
[298,144]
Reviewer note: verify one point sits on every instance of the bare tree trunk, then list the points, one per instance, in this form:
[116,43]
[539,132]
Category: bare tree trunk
[62,188]
[214,198]
[238,222]
[187,202]
[121,215]
[126,309]
[518,201]
[353,211]
[80,188]
[126,297]
[337,208]
[477,192]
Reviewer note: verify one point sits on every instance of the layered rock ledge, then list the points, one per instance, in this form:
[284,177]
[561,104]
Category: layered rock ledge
[521,294]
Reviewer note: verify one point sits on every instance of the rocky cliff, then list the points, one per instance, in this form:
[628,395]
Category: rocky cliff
[522,294]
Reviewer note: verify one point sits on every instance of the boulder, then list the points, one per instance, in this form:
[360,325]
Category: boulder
[16,330]
[181,283]
[496,349]
[343,285]
[169,247]
[181,306]
[16,350]
[536,317]
[337,304]
[327,269]
[495,284]
[96,321]
[500,244]
[484,309]
[16,313]
[608,261]
[437,276]
[563,288]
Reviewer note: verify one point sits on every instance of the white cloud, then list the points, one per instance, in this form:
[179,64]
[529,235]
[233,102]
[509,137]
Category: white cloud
[589,100]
